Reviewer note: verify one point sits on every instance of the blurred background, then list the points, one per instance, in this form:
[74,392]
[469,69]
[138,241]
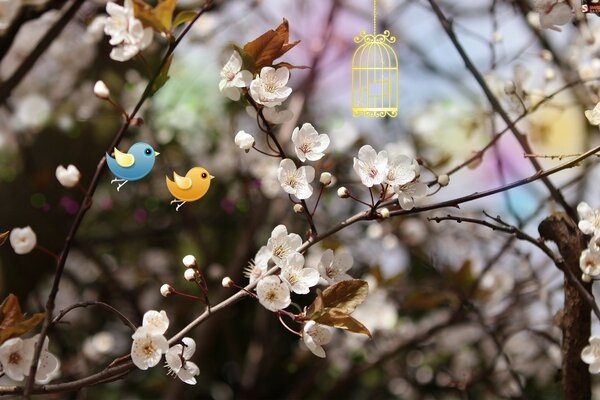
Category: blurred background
[456,311]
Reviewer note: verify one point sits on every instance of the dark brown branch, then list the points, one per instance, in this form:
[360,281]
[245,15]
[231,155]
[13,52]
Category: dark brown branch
[100,304]
[13,81]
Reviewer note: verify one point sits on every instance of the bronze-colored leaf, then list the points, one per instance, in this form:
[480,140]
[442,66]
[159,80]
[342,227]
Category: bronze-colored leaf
[158,18]
[290,66]
[316,308]
[183,17]
[13,322]
[339,319]
[269,46]
[346,295]
[3,237]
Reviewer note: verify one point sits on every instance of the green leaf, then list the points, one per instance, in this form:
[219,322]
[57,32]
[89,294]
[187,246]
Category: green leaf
[339,319]
[3,237]
[13,322]
[346,295]
[163,76]
[183,17]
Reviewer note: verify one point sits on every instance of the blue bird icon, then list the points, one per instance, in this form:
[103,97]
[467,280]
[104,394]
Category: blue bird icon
[133,165]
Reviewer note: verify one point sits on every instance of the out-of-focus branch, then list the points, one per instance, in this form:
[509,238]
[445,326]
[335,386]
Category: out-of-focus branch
[13,81]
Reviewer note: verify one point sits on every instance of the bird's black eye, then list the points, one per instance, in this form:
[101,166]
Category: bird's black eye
[148,152]
[204,175]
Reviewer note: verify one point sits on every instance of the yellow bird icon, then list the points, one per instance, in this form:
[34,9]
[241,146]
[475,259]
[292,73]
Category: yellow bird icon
[190,188]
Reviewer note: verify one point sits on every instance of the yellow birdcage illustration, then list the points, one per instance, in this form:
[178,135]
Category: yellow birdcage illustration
[375,74]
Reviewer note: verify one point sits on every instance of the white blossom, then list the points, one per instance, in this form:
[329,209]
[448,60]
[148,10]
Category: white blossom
[259,265]
[591,355]
[298,278]
[68,177]
[233,78]
[22,240]
[177,359]
[15,356]
[277,115]
[282,245]
[553,13]
[594,244]
[593,115]
[272,293]
[371,166]
[589,262]
[269,88]
[325,178]
[309,145]
[400,171]
[126,32]
[189,261]
[332,267]
[189,274]
[156,322]
[315,336]
[294,180]
[244,140]
[408,193]
[166,290]
[147,348]
[48,364]
[589,219]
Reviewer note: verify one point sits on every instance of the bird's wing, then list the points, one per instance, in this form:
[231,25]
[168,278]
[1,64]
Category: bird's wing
[124,159]
[182,183]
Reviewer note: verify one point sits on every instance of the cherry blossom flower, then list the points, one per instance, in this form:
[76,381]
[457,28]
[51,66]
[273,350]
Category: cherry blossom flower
[589,262]
[294,180]
[333,268]
[401,171]
[408,193]
[22,240]
[591,355]
[272,293]
[269,88]
[298,278]
[276,115]
[282,245]
[589,219]
[15,356]
[147,348]
[309,145]
[371,166]
[593,115]
[68,177]
[259,265]
[177,359]
[244,140]
[126,32]
[315,336]
[189,261]
[48,364]
[553,13]
[156,322]
[594,244]
[233,78]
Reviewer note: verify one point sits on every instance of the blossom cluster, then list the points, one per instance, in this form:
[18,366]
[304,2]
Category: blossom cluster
[149,345]
[16,355]
[589,224]
[126,32]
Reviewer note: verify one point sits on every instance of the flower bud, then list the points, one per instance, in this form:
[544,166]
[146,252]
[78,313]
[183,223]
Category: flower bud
[22,240]
[227,282]
[384,212]
[189,261]
[343,192]
[166,290]
[586,278]
[244,140]
[101,90]
[325,179]
[189,274]
[298,209]
[443,180]
[68,177]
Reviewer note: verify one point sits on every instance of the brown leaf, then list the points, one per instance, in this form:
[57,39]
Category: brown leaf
[3,237]
[290,66]
[12,321]
[316,308]
[158,18]
[339,319]
[268,47]
[346,295]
